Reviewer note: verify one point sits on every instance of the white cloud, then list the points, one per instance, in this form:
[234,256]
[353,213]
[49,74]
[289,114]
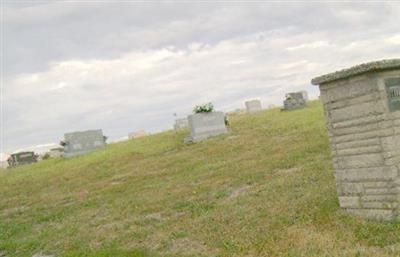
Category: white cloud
[395,40]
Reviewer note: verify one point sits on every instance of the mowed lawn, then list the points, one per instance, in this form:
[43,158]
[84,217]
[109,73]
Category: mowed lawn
[265,189]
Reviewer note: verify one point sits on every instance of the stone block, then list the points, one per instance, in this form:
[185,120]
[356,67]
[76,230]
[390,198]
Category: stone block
[379,205]
[349,202]
[361,161]
[373,214]
[351,188]
[367,174]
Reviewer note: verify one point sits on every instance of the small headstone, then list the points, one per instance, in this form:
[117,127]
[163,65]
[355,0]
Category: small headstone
[181,124]
[137,134]
[253,106]
[205,125]
[294,101]
[22,158]
[362,108]
[81,142]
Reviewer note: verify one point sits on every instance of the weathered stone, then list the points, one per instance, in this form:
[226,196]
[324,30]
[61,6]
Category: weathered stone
[294,101]
[205,125]
[373,214]
[351,188]
[379,205]
[349,202]
[253,106]
[381,191]
[81,142]
[362,107]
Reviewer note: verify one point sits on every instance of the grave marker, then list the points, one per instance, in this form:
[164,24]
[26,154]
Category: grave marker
[294,101]
[205,125]
[81,142]
[362,108]
[21,158]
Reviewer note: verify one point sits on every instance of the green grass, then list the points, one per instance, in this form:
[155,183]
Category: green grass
[265,189]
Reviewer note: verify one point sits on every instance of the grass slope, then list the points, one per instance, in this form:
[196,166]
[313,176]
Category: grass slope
[266,189]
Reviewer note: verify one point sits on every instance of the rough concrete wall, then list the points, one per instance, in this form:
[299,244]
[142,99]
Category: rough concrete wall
[365,141]
[205,125]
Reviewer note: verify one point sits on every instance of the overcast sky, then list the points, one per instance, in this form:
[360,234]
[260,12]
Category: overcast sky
[126,66]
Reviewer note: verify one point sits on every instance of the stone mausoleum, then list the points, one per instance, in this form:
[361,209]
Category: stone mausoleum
[362,108]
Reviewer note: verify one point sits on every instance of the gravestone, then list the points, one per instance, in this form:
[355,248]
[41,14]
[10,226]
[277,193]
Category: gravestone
[294,101]
[253,106]
[137,134]
[81,142]
[362,108]
[181,124]
[21,158]
[205,125]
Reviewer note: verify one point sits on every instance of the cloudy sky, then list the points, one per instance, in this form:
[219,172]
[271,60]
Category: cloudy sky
[129,65]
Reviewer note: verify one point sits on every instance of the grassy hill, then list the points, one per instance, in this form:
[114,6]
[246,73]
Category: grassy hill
[265,189]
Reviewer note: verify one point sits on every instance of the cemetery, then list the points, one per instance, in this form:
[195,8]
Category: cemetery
[294,101]
[275,185]
[270,180]
[253,106]
[206,123]
[82,142]
[362,107]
